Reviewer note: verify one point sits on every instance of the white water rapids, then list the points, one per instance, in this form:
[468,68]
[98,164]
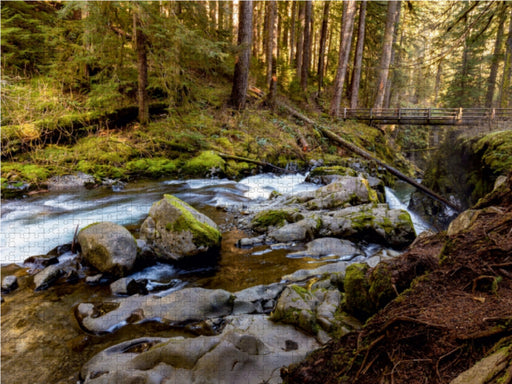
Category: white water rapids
[37,224]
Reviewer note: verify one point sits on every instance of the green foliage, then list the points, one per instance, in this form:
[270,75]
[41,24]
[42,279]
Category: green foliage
[152,167]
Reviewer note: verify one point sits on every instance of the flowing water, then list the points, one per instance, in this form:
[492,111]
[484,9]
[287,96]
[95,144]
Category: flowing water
[41,341]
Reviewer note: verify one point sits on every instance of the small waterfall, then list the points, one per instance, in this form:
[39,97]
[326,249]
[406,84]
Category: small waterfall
[394,203]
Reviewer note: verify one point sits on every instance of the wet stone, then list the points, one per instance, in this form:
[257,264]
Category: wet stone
[9,283]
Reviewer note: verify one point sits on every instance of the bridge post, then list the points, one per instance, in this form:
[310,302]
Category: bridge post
[344,113]
[399,114]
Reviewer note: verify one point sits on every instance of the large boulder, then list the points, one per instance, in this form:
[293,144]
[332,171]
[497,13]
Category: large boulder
[175,230]
[179,307]
[251,350]
[345,191]
[108,247]
[375,223]
[329,246]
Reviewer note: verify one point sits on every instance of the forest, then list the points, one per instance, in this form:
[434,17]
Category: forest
[230,191]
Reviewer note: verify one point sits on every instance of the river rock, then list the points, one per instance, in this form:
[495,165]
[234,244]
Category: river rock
[329,246]
[65,182]
[129,286]
[345,191]
[178,307]
[300,231]
[9,283]
[47,277]
[374,223]
[258,299]
[108,247]
[175,230]
[251,350]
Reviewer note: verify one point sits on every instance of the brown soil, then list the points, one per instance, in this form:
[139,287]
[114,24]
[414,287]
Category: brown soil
[450,318]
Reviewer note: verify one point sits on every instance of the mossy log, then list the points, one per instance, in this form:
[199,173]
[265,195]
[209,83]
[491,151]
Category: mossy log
[68,129]
[353,148]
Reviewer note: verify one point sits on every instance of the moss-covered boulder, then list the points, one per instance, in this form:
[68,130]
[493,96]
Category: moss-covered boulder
[108,247]
[345,191]
[297,306]
[375,223]
[367,290]
[175,230]
[274,218]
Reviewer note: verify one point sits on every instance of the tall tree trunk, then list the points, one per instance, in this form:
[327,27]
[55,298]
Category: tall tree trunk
[496,57]
[387,93]
[212,5]
[221,15]
[323,41]
[230,18]
[505,91]
[241,77]
[437,86]
[300,38]
[142,68]
[256,30]
[306,50]
[387,48]
[358,57]
[293,30]
[347,28]
[270,37]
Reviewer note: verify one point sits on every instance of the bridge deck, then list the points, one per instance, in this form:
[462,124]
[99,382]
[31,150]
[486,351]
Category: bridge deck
[429,116]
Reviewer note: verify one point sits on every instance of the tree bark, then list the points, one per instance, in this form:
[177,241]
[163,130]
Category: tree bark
[241,77]
[300,38]
[496,58]
[306,50]
[142,68]
[270,38]
[358,58]
[437,86]
[387,93]
[387,48]
[212,5]
[293,29]
[347,28]
[507,71]
[323,41]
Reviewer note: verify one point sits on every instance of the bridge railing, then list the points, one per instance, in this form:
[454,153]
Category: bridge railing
[455,115]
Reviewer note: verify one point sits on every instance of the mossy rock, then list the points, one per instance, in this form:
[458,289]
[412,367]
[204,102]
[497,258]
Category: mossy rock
[175,230]
[207,163]
[274,218]
[297,306]
[358,301]
[381,289]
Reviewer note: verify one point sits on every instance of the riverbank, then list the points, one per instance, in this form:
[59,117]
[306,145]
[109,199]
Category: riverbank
[58,326]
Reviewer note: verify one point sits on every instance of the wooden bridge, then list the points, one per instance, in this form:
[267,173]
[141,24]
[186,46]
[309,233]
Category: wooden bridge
[430,116]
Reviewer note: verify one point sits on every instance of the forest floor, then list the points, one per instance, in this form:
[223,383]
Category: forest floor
[47,133]
[450,318]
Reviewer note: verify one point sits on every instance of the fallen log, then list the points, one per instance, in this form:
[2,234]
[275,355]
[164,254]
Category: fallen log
[334,137]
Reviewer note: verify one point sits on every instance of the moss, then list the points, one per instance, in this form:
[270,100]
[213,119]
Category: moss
[207,163]
[274,218]
[357,298]
[333,170]
[152,167]
[372,194]
[202,233]
[32,173]
[381,289]
[236,170]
